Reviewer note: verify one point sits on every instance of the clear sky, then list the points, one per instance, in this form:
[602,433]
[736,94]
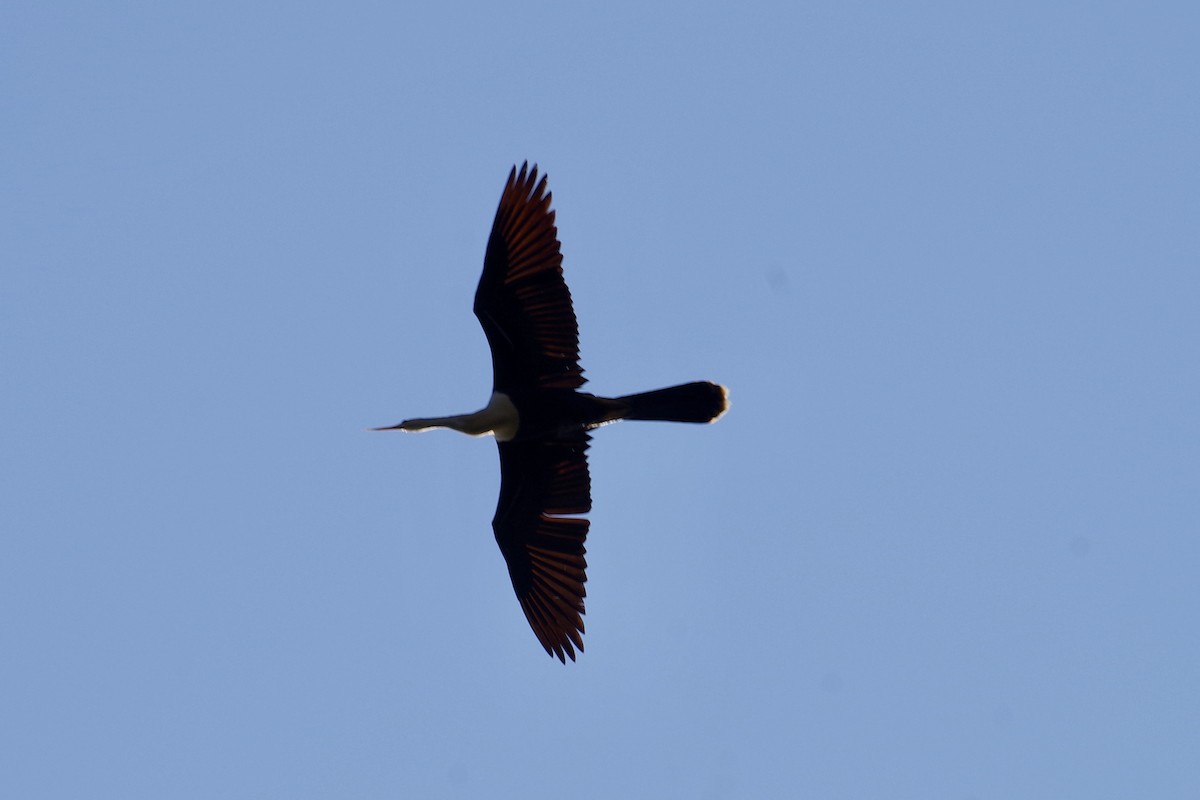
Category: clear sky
[945,255]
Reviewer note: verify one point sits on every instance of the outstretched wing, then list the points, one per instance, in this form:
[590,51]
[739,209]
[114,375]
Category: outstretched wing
[540,482]
[522,301]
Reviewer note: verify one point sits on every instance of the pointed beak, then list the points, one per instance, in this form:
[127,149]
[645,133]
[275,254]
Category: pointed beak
[389,428]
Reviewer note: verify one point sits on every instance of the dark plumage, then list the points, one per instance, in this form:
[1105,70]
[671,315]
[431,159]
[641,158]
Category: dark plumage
[540,419]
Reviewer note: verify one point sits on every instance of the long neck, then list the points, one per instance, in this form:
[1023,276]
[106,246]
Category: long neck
[499,417]
[471,424]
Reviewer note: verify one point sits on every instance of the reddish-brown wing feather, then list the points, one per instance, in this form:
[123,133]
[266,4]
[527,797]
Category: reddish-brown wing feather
[522,301]
[541,481]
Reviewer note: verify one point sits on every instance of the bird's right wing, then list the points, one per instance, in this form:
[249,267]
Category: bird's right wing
[541,481]
[522,300]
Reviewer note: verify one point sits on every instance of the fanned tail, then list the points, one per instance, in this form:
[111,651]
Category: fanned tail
[700,401]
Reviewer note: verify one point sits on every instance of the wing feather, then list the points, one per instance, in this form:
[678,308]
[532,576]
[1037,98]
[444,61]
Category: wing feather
[540,481]
[522,301]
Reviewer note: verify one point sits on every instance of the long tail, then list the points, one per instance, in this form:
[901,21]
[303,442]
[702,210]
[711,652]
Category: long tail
[691,402]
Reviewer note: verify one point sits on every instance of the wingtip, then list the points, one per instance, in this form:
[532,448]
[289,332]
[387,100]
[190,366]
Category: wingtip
[527,176]
[565,649]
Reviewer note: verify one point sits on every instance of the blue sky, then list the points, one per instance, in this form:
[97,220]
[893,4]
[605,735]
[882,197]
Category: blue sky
[944,544]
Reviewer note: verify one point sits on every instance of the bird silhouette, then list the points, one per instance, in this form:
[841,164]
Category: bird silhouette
[540,419]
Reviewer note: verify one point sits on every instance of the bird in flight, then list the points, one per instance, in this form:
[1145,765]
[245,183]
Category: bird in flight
[539,417]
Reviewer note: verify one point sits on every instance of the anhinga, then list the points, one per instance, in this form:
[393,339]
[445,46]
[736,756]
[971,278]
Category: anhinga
[540,418]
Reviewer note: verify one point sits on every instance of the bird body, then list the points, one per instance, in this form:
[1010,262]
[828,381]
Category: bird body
[540,419]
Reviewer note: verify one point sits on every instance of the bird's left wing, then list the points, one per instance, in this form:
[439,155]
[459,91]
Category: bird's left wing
[522,300]
[543,481]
